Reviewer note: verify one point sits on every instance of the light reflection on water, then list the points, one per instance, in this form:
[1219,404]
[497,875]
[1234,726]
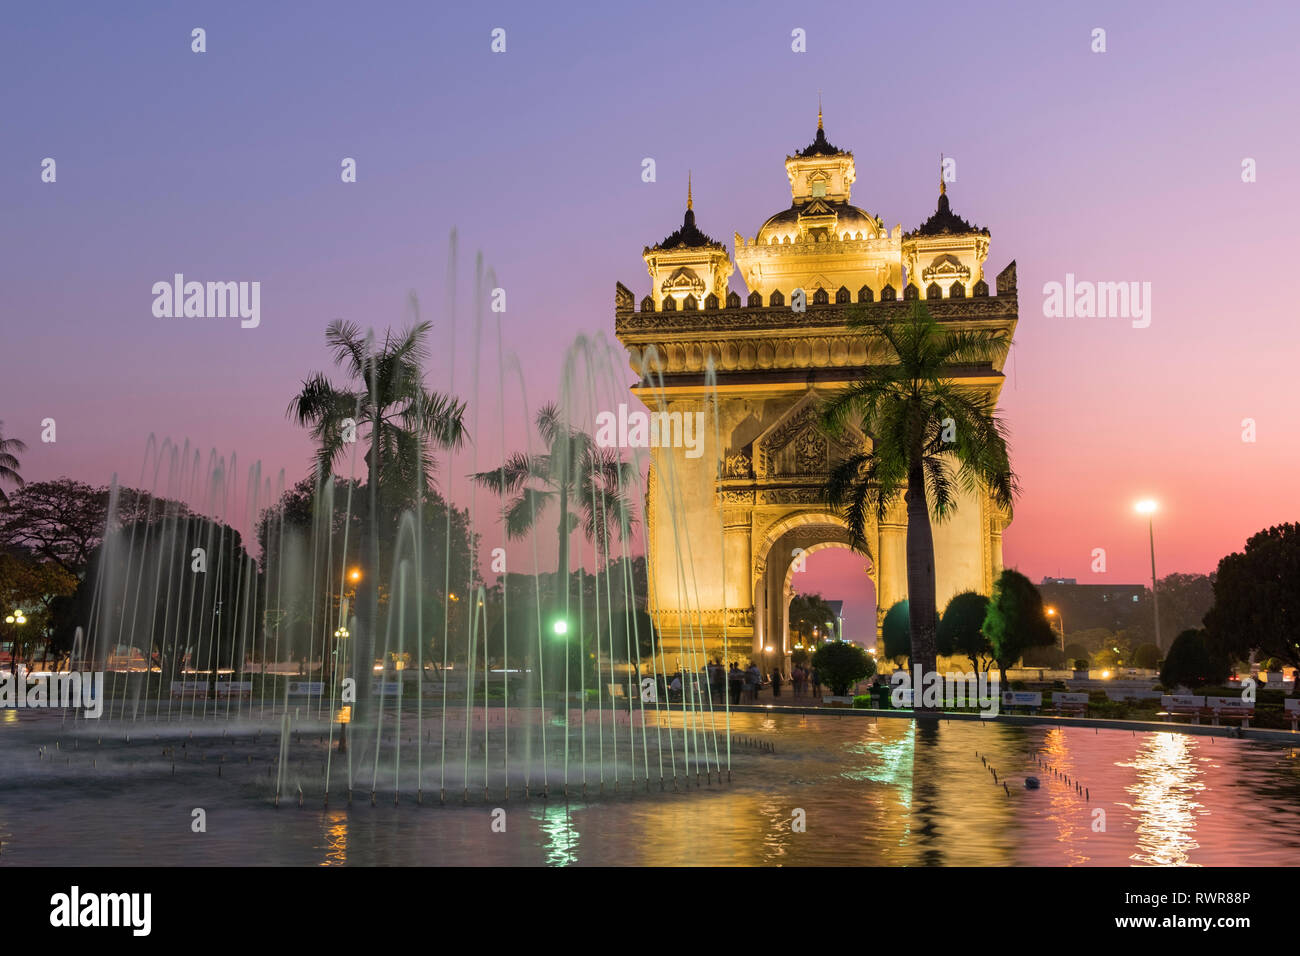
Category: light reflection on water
[1165,799]
[872,792]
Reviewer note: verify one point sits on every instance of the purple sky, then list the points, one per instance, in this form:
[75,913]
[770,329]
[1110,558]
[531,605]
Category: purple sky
[1122,166]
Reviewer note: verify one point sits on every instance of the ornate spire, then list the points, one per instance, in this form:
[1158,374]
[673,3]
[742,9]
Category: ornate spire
[943,187]
[819,109]
[689,234]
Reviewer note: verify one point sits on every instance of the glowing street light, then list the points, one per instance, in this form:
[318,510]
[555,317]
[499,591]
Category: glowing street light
[17,617]
[1060,623]
[1147,506]
[560,627]
[354,575]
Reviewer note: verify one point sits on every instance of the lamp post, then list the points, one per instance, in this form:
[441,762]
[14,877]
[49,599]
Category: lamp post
[1148,507]
[17,619]
[1060,624]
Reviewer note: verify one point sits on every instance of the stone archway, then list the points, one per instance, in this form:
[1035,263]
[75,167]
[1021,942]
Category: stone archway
[777,556]
[715,514]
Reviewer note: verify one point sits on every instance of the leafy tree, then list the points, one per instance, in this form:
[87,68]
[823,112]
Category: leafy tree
[295,535]
[141,589]
[1089,640]
[64,520]
[1257,599]
[9,464]
[1184,601]
[1107,658]
[1015,620]
[32,587]
[840,665]
[930,438]
[1075,651]
[961,630]
[1146,656]
[1191,663]
[1043,655]
[896,633]
[403,422]
[575,475]
[808,612]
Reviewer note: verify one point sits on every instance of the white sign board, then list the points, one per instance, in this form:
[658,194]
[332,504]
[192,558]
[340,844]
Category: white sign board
[1021,698]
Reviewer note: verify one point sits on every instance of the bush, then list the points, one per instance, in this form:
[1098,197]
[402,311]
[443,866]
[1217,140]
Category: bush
[840,665]
[1043,656]
[1190,664]
[1074,651]
[1081,664]
[1147,656]
[864,701]
[896,633]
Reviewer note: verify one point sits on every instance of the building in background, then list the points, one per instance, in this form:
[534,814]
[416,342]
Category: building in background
[1082,607]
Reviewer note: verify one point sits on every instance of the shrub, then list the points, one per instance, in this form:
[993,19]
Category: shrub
[840,665]
[1147,656]
[1189,662]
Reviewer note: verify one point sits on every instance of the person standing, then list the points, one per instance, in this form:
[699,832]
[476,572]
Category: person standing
[776,682]
[736,680]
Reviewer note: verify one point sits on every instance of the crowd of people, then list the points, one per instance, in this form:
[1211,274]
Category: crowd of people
[742,685]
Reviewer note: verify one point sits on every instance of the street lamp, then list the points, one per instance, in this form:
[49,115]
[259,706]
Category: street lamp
[16,618]
[1148,507]
[1060,623]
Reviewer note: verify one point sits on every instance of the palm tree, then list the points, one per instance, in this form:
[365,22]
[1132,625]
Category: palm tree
[573,472]
[9,464]
[931,438]
[403,422]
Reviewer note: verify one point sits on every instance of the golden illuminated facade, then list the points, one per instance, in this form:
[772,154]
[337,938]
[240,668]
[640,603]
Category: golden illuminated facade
[728,531]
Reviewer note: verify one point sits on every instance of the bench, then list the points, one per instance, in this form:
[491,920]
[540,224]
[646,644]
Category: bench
[1231,707]
[193,689]
[1070,704]
[1291,709]
[1031,700]
[1187,704]
[241,689]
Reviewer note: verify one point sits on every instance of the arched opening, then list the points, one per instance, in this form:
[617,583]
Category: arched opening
[843,579]
[798,543]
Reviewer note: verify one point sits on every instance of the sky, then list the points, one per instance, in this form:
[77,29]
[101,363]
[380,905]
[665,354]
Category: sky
[1123,165]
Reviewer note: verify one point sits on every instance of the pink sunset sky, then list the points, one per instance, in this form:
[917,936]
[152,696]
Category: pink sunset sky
[1117,166]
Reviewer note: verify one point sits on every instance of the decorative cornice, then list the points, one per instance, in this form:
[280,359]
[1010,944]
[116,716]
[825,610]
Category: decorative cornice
[739,617]
[784,320]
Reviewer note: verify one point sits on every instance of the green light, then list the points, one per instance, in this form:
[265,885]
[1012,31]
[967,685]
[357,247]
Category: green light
[561,627]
